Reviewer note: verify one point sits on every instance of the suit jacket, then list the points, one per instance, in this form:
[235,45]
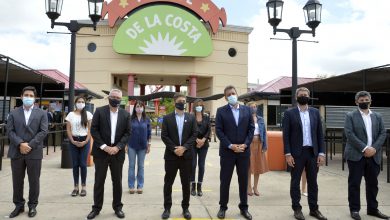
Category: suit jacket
[293,135]
[170,136]
[101,131]
[33,133]
[355,130]
[229,133]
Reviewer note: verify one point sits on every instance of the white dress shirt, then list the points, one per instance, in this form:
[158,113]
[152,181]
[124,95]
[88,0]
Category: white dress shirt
[27,113]
[114,121]
[368,125]
[180,125]
[306,129]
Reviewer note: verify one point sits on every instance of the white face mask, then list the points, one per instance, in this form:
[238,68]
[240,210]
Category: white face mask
[198,108]
[139,110]
[80,105]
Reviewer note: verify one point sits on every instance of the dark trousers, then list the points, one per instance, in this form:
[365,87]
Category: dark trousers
[227,168]
[370,170]
[79,160]
[171,167]
[198,156]
[18,167]
[101,166]
[308,161]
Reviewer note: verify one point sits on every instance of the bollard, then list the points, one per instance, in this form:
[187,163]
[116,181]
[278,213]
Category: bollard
[66,159]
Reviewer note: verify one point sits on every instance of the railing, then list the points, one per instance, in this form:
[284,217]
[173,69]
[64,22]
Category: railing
[335,136]
[54,129]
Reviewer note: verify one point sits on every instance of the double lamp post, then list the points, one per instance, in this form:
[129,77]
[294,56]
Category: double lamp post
[312,12]
[53,11]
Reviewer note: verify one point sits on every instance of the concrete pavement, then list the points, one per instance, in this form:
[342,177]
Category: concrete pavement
[274,202]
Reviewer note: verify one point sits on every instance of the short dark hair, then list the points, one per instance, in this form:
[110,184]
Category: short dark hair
[362,94]
[178,95]
[229,87]
[30,88]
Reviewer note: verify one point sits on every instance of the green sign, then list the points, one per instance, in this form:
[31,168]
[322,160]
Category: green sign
[163,30]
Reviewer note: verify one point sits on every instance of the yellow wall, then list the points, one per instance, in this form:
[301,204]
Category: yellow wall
[95,69]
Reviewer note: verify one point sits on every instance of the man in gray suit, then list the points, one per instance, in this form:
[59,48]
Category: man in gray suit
[26,129]
[363,151]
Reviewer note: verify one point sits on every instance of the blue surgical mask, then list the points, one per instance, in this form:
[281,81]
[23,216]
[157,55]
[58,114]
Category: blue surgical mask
[198,108]
[232,100]
[28,101]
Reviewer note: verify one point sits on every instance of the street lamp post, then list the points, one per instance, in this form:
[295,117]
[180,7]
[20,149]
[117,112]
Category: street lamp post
[53,11]
[312,12]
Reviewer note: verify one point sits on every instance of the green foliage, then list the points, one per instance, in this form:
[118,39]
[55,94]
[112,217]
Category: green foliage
[169,105]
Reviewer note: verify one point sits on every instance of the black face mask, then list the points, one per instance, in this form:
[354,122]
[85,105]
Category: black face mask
[114,102]
[181,106]
[303,100]
[364,105]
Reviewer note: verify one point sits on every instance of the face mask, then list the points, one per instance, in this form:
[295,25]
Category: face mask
[114,102]
[80,106]
[364,105]
[28,101]
[253,110]
[139,110]
[198,108]
[232,100]
[303,100]
[181,106]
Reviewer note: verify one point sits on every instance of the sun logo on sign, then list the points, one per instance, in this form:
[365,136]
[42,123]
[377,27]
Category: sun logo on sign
[163,46]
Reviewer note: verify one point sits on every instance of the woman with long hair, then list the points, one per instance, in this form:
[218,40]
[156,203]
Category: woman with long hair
[201,146]
[258,160]
[138,146]
[78,126]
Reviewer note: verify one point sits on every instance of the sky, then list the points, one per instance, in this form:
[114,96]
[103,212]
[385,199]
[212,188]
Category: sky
[353,35]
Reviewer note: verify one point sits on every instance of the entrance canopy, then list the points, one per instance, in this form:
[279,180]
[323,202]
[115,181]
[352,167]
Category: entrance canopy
[341,90]
[19,75]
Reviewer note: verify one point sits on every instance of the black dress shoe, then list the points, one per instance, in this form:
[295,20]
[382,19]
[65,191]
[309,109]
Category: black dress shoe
[119,213]
[317,214]
[32,212]
[166,214]
[299,215]
[246,214]
[355,215]
[93,214]
[16,212]
[378,214]
[221,213]
[186,214]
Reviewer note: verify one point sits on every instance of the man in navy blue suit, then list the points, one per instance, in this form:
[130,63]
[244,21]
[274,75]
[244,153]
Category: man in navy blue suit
[304,149]
[234,128]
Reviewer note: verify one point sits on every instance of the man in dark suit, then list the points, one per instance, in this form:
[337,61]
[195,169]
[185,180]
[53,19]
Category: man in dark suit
[26,128]
[110,130]
[179,135]
[303,140]
[234,127]
[366,134]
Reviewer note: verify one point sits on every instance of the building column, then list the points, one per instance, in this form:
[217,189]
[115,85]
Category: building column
[156,106]
[142,89]
[193,84]
[177,88]
[130,85]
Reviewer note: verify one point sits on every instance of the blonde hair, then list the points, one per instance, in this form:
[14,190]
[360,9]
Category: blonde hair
[302,89]
[251,103]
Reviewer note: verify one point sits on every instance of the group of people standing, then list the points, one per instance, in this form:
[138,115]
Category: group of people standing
[243,146]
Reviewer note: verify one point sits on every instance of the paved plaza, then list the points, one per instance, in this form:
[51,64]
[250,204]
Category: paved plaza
[274,202]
